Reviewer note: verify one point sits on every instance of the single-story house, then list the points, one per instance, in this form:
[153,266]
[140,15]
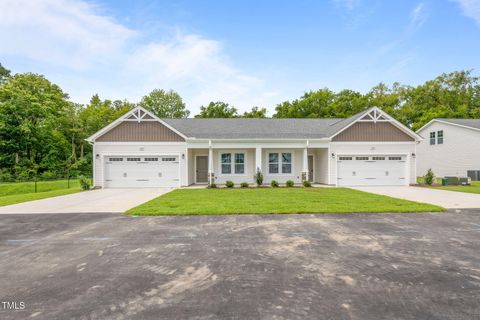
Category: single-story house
[451,148]
[141,150]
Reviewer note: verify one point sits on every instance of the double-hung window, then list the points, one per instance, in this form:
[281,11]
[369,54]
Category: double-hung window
[280,163]
[432,138]
[233,163]
[440,137]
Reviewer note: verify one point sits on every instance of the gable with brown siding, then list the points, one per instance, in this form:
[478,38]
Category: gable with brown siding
[373,131]
[133,131]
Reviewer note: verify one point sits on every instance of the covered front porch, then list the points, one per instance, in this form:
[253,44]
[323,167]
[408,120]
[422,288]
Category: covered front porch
[221,163]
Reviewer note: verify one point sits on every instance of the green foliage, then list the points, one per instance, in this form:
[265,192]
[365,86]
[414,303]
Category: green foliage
[255,113]
[258,177]
[165,104]
[274,183]
[290,183]
[4,74]
[85,183]
[244,185]
[307,184]
[217,109]
[229,184]
[212,186]
[429,177]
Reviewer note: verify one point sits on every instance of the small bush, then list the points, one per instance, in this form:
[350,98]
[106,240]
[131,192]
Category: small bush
[307,184]
[258,177]
[212,186]
[48,175]
[85,183]
[229,184]
[244,185]
[429,177]
[290,183]
[274,183]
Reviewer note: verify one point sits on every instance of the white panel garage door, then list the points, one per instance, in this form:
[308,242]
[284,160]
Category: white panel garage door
[388,170]
[141,171]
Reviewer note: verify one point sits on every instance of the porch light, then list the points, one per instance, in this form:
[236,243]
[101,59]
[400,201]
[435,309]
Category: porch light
[97,156]
[333,155]
[183,156]
[413,155]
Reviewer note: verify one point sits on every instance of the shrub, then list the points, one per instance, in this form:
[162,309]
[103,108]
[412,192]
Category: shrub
[6,177]
[244,185]
[212,186]
[47,175]
[229,184]
[290,183]
[274,183]
[85,183]
[429,177]
[258,177]
[307,184]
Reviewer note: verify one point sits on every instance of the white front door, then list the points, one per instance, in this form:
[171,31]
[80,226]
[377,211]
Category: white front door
[141,171]
[371,170]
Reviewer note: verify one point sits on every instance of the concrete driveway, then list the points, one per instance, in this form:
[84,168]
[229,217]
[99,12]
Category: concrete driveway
[324,266]
[101,200]
[443,198]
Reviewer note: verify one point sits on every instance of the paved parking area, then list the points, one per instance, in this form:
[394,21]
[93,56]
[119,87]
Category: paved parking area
[332,266]
[100,200]
[443,198]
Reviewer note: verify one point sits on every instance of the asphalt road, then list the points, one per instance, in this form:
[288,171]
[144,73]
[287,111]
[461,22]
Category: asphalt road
[334,266]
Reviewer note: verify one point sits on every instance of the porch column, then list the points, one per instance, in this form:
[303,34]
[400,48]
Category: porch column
[305,163]
[258,159]
[210,162]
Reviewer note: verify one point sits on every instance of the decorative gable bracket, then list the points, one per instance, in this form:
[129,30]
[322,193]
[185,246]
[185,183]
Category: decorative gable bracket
[139,115]
[375,116]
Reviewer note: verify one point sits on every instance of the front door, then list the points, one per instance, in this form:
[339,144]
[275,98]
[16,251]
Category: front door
[310,168]
[202,169]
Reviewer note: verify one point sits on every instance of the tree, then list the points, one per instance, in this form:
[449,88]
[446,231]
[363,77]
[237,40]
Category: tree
[217,109]
[4,74]
[255,113]
[165,104]
[313,104]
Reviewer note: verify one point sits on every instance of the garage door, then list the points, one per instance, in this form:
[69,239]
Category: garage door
[368,170]
[141,171]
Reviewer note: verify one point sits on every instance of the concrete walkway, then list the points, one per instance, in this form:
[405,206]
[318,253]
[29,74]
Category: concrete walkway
[101,200]
[443,198]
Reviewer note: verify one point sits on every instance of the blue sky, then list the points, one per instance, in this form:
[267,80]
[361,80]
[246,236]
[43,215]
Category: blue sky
[243,52]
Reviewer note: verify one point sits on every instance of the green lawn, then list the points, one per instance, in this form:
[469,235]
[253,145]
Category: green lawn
[473,188]
[275,200]
[17,198]
[29,187]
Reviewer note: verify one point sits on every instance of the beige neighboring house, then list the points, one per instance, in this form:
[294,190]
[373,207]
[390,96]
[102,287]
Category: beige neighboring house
[451,148]
[141,150]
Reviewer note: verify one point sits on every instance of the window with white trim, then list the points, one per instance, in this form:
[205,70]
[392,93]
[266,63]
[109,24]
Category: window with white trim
[440,137]
[150,159]
[432,138]
[345,158]
[169,159]
[280,163]
[133,159]
[232,163]
[361,158]
[115,159]
[395,158]
[378,158]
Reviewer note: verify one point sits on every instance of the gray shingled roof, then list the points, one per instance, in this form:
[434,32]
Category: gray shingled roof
[472,123]
[245,128]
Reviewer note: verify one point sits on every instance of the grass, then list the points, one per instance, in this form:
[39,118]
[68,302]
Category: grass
[473,188]
[29,187]
[24,197]
[275,200]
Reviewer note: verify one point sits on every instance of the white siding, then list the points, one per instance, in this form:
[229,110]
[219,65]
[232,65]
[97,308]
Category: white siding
[372,148]
[236,178]
[297,164]
[147,149]
[459,152]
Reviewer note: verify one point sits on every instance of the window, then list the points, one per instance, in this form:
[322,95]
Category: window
[439,137]
[361,158]
[378,158]
[395,158]
[238,163]
[280,163]
[133,159]
[169,159]
[432,138]
[115,159]
[345,158]
[150,159]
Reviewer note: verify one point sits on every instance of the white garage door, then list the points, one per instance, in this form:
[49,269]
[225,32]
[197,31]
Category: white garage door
[141,171]
[368,170]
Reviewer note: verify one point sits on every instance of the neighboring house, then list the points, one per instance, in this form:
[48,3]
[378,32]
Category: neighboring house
[451,147]
[141,150]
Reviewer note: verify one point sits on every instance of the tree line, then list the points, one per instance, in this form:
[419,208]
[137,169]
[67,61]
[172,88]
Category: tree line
[43,132]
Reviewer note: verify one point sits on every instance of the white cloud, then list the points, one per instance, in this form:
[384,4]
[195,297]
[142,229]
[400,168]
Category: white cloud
[470,8]
[95,53]
[347,4]
[418,16]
